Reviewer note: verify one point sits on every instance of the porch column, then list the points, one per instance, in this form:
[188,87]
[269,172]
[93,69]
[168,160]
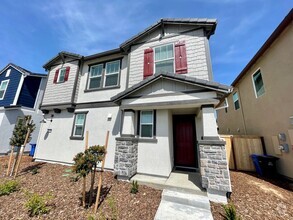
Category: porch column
[125,163]
[213,160]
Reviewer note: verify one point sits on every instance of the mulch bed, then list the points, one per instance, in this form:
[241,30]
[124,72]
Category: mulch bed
[258,198]
[117,201]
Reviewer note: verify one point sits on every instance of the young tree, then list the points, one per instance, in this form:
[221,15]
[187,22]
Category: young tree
[20,137]
[85,163]
[20,131]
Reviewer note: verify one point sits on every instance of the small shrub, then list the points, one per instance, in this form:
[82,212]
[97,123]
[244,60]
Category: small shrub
[113,206]
[134,187]
[35,171]
[37,204]
[230,212]
[8,187]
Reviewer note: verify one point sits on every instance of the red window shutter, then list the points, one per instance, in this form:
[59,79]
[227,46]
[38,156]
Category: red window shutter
[180,58]
[148,68]
[67,73]
[56,76]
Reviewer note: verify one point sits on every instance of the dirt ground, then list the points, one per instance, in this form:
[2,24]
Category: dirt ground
[117,201]
[258,198]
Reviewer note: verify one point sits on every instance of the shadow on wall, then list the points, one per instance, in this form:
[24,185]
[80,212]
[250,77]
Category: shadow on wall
[12,115]
[117,124]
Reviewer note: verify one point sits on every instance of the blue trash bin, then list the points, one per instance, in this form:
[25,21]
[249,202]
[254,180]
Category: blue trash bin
[33,148]
[265,165]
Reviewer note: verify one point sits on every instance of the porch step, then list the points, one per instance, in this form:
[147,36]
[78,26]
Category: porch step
[197,201]
[182,206]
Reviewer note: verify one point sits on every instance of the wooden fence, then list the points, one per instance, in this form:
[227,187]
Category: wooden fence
[239,148]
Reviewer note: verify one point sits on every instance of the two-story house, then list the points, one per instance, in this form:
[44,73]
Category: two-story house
[156,96]
[20,93]
[262,101]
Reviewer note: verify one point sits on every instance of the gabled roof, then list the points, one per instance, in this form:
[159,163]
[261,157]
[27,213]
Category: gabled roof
[282,26]
[209,26]
[178,77]
[61,55]
[23,70]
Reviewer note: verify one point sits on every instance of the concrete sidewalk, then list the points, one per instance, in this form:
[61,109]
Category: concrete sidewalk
[182,206]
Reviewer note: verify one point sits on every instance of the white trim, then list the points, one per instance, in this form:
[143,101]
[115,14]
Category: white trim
[166,44]
[7,74]
[38,94]
[18,90]
[253,84]
[140,124]
[7,80]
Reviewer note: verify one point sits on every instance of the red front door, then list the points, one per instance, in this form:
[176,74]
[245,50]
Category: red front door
[185,153]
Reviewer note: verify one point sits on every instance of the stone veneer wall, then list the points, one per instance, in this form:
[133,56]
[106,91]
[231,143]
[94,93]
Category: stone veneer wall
[125,164]
[214,166]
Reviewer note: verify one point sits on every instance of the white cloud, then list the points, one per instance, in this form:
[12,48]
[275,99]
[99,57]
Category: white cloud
[87,27]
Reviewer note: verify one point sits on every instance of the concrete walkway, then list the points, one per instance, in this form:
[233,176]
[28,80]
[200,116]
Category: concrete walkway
[182,197]
[182,206]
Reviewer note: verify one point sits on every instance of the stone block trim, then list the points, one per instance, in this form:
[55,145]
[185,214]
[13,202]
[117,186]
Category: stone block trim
[125,163]
[214,166]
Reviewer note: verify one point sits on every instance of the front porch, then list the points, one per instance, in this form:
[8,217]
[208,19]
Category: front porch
[178,180]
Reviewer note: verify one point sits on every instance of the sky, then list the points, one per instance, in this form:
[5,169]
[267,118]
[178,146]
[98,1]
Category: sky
[32,32]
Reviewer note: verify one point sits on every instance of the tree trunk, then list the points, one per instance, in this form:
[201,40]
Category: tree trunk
[10,161]
[93,175]
[15,161]
[83,191]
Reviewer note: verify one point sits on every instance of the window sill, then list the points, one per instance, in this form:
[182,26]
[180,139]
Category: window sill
[75,138]
[147,140]
[100,89]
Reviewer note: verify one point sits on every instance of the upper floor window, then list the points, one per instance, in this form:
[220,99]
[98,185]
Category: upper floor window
[258,84]
[164,59]
[61,75]
[104,75]
[168,58]
[3,88]
[236,101]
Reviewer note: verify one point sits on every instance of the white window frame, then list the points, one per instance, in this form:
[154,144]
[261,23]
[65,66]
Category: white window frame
[140,123]
[164,59]
[101,76]
[253,83]
[105,74]
[236,100]
[74,124]
[1,98]
[59,74]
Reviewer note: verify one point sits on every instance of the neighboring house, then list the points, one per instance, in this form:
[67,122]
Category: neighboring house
[262,100]
[156,96]
[20,94]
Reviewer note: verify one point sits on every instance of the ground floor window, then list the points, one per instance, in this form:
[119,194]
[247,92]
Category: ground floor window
[147,123]
[79,124]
